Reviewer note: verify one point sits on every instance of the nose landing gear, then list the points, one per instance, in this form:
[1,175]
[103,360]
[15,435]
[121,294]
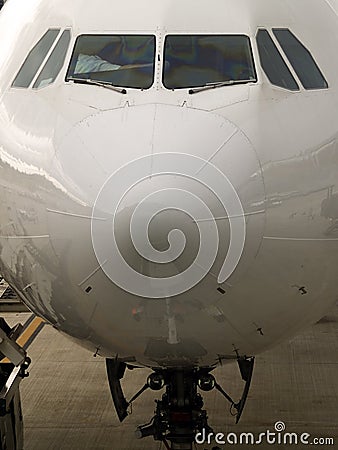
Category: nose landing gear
[179,415]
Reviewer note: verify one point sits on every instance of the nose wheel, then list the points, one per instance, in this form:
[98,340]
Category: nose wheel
[179,415]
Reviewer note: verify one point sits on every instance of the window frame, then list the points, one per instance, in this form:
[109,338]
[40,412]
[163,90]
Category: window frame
[42,62]
[283,58]
[106,33]
[251,48]
[45,62]
[294,69]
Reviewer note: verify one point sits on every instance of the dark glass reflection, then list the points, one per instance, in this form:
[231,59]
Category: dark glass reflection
[34,59]
[301,60]
[273,64]
[199,60]
[120,60]
[55,62]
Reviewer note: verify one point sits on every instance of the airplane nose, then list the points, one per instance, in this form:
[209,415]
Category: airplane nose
[177,194]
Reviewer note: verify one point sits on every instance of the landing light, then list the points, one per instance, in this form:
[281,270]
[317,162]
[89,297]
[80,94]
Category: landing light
[206,382]
[156,381]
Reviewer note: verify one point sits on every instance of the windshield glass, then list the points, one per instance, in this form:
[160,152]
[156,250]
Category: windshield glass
[192,61]
[121,60]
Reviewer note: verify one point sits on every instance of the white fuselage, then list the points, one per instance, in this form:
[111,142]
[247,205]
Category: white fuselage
[60,145]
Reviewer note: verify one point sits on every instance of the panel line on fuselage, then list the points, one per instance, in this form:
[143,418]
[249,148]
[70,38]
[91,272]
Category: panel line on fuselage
[276,238]
[93,273]
[262,211]
[43,236]
[79,216]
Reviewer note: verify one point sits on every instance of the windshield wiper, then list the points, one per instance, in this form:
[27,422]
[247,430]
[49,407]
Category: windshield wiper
[217,84]
[104,84]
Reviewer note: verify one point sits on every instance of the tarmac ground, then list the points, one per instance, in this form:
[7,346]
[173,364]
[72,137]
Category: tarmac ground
[67,404]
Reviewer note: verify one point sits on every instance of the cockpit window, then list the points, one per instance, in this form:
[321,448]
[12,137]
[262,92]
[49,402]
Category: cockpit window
[273,64]
[55,62]
[301,60]
[199,60]
[119,60]
[34,59]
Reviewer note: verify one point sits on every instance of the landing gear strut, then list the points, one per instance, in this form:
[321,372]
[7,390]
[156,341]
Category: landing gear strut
[179,415]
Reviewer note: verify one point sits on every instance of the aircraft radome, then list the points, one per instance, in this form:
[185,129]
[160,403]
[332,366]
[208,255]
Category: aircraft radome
[168,182]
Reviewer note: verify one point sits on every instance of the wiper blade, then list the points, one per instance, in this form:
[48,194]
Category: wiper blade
[217,84]
[104,84]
